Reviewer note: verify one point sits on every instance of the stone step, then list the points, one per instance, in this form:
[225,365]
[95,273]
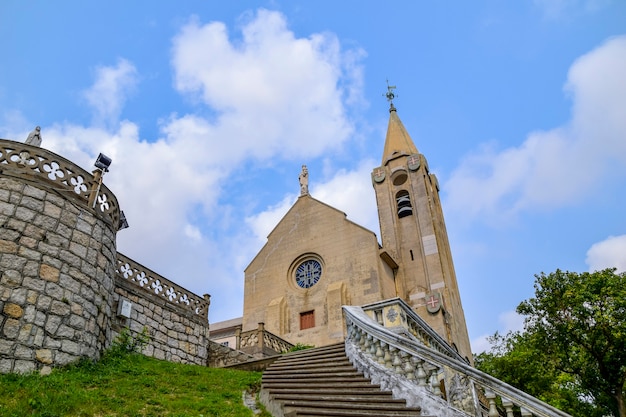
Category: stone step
[354,408]
[364,384]
[335,360]
[363,390]
[364,399]
[317,380]
[337,347]
[332,368]
[323,382]
[317,412]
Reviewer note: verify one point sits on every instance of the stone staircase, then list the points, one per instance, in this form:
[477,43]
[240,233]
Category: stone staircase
[323,382]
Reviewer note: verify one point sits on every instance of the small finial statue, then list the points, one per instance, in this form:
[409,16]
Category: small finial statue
[34,137]
[304,181]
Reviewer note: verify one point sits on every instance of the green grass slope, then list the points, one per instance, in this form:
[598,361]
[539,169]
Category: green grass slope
[128,384]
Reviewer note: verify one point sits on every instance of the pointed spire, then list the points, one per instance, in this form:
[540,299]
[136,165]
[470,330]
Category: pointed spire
[398,142]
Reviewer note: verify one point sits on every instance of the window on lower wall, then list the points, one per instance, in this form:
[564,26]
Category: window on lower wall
[307,320]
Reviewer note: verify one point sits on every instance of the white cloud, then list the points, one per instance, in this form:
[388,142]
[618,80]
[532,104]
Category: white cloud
[610,253]
[348,191]
[110,91]
[277,95]
[273,96]
[557,167]
[352,193]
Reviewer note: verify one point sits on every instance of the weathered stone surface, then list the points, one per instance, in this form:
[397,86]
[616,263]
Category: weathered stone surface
[23,352]
[30,254]
[78,249]
[8,261]
[82,227]
[60,308]
[34,232]
[54,290]
[25,214]
[32,203]
[77,322]
[52,324]
[11,278]
[65,332]
[36,285]
[34,192]
[9,232]
[46,222]
[70,346]
[52,210]
[26,334]
[43,303]
[6,208]
[4,194]
[6,366]
[70,258]
[23,366]
[18,295]
[45,370]
[7,246]
[6,347]
[11,328]
[49,273]
[29,242]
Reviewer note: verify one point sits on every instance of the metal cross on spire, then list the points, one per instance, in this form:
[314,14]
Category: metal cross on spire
[390,95]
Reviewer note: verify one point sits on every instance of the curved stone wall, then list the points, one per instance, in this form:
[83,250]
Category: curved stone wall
[57,262]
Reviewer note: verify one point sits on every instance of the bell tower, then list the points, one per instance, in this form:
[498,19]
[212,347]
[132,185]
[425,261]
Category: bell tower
[413,234]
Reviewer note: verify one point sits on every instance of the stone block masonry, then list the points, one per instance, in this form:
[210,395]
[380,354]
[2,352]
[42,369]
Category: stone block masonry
[56,276]
[61,277]
[176,319]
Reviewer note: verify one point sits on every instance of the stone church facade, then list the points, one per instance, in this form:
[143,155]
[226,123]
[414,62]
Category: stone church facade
[316,260]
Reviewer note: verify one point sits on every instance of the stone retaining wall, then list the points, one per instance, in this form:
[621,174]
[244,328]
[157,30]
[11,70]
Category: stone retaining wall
[176,333]
[57,263]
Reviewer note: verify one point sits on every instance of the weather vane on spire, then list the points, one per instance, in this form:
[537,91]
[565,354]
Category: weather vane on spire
[390,95]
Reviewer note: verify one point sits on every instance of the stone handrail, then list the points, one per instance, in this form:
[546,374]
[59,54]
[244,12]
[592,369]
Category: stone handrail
[150,282]
[402,316]
[425,377]
[261,339]
[32,162]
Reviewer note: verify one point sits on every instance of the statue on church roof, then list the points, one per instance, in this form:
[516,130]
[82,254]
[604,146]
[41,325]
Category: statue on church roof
[34,137]
[304,181]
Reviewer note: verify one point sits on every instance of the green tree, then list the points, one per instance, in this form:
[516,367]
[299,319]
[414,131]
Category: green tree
[578,321]
[515,359]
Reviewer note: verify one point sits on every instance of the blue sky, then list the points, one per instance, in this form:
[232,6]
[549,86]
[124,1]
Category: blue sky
[208,110]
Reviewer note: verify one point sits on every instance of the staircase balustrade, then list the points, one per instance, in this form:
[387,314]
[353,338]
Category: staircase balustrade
[431,375]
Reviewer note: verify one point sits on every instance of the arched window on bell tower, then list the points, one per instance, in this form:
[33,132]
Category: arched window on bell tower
[403,201]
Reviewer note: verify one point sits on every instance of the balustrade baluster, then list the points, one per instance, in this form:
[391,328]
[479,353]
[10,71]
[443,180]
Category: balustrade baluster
[493,411]
[421,374]
[407,368]
[373,343]
[380,355]
[397,362]
[388,359]
[366,343]
[525,412]
[434,382]
[414,361]
[508,406]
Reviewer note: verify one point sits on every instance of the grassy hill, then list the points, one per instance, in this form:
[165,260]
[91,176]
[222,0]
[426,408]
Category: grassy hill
[128,384]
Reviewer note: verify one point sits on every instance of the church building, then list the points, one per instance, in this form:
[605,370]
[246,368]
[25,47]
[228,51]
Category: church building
[316,260]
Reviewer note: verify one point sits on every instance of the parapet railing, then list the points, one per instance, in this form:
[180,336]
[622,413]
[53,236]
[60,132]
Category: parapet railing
[428,378]
[260,339]
[152,283]
[396,314]
[32,162]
